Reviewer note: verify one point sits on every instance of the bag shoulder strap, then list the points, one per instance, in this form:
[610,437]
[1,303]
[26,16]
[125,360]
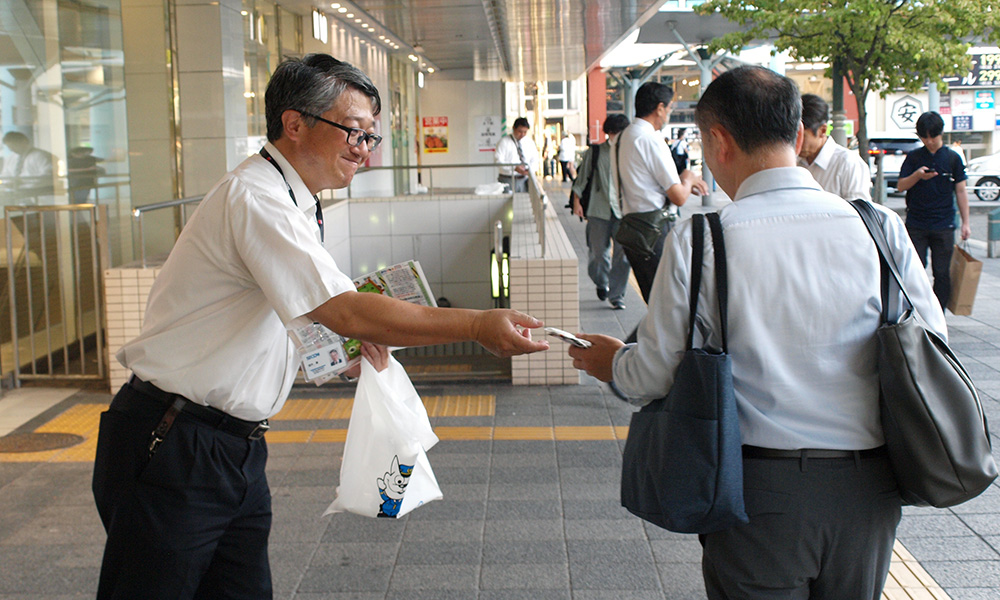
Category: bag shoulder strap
[697,255]
[886,259]
[721,275]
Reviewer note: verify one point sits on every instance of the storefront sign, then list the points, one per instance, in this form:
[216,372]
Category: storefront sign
[905,112]
[962,123]
[984,99]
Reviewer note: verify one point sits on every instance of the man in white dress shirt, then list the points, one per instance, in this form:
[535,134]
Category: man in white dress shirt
[644,172]
[26,167]
[804,304]
[516,148]
[179,476]
[838,170]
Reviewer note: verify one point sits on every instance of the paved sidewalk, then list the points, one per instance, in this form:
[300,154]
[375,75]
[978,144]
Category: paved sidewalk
[530,480]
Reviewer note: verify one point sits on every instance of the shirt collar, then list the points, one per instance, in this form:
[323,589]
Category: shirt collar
[779,178]
[644,125]
[303,196]
[825,154]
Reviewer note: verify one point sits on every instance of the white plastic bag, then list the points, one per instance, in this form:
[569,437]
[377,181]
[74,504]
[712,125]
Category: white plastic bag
[385,471]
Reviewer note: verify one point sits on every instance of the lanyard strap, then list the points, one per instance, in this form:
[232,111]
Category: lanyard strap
[319,207]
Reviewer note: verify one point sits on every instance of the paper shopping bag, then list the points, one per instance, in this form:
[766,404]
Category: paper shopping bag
[965,271]
[385,471]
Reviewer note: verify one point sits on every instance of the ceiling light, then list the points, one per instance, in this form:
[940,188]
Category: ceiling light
[335,5]
[341,10]
[350,15]
[430,70]
[357,20]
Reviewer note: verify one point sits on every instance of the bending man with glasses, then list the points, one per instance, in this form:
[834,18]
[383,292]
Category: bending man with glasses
[179,476]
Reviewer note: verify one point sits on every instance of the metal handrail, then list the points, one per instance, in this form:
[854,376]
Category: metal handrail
[430,168]
[139,211]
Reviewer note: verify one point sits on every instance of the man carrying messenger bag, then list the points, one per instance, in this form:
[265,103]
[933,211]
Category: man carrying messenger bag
[648,183]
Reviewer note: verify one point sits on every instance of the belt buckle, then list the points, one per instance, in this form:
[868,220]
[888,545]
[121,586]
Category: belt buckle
[259,431]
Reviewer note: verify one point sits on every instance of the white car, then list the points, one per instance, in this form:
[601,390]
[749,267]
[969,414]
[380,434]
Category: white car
[984,176]
[893,147]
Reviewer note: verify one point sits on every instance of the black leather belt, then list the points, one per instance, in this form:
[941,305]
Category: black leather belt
[810,453]
[251,430]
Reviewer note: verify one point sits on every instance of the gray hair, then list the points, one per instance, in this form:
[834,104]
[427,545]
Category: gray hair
[312,84]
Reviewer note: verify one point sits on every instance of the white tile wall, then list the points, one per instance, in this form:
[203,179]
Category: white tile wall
[126,290]
[198,38]
[418,217]
[545,287]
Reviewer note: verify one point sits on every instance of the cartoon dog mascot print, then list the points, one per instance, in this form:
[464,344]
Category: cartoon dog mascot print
[392,486]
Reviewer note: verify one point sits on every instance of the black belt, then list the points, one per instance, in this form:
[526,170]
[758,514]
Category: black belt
[810,453]
[251,430]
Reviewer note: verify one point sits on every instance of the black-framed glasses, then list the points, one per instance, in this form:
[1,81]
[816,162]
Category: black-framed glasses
[355,136]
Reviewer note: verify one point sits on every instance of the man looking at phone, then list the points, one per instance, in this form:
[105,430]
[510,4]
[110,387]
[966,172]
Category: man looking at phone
[934,179]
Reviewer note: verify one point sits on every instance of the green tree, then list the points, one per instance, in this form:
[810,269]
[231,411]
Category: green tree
[882,45]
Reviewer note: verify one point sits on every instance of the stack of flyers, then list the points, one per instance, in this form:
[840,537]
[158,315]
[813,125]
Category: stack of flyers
[325,354]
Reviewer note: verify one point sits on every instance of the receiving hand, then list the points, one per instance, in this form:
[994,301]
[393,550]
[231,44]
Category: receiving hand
[376,354]
[507,332]
[926,173]
[598,359]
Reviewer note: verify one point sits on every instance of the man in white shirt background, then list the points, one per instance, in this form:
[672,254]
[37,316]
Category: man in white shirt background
[517,148]
[26,166]
[179,474]
[567,157]
[838,170]
[644,172]
[804,303]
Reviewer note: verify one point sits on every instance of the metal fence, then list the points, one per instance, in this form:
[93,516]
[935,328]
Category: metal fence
[55,256]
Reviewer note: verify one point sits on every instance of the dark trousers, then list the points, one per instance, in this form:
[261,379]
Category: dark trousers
[941,244]
[518,183]
[190,522]
[821,529]
[644,265]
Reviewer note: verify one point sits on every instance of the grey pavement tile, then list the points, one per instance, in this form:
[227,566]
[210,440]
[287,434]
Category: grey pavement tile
[440,553]
[348,554]
[87,556]
[312,477]
[524,529]
[334,578]
[951,548]
[971,573]
[983,524]
[346,527]
[523,416]
[592,491]
[581,417]
[608,509]
[589,454]
[501,447]
[430,595]
[443,460]
[524,552]
[499,510]
[435,577]
[515,461]
[936,525]
[525,576]
[543,473]
[336,596]
[523,491]
[288,563]
[303,494]
[578,475]
[446,510]
[464,447]
[562,594]
[319,448]
[612,565]
[58,525]
[603,529]
[461,474]
[977,593]
[682,582]
[987,502]
[625,595]
[677,551]
[442,531]
[465,491]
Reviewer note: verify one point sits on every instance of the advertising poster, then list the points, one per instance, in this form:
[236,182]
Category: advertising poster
[435,134]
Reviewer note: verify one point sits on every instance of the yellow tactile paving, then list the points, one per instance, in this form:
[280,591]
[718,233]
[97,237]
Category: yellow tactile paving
[309,409]
[907,579]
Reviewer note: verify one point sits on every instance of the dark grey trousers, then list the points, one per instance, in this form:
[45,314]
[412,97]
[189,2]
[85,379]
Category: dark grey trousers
[819,530]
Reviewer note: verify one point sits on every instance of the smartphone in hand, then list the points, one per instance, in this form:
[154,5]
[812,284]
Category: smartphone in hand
[567,337]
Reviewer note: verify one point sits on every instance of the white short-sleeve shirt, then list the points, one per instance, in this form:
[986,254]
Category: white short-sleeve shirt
[647,170]
[841,171]
[248,264]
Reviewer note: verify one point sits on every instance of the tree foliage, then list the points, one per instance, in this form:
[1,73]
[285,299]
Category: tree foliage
[882,45]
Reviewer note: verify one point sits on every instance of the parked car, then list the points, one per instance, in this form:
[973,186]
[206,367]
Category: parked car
[893,147]
[984,176]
